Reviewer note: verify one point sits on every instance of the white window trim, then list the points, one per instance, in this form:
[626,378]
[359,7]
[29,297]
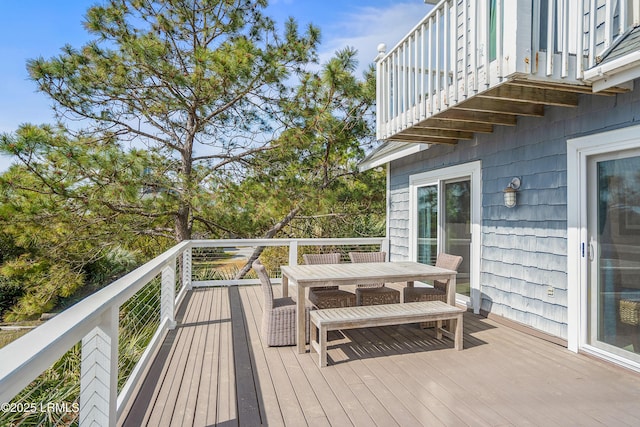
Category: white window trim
[474,171]
[578,151]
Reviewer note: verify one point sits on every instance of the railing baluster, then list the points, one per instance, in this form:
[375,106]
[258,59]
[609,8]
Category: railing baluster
[454,52]
[565,39]
[99,373]
[592,34]
[486,42]
[622,17]
[293,253]
[446,54]
[438,94]
[465,50]
[416,75]
[423,71]
[474,45]
[387,106]
[580,42]
[429,69]
[551,41]
[396,89]
[608,24]
[499,39]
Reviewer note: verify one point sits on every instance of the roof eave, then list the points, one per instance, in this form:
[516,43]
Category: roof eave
[401,150]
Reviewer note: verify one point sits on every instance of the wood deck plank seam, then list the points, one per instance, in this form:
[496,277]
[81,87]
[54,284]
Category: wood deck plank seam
[208,378]
[266,382]
[554,354]
[517,407]
[394,407]
[478,378]
[423,372]
[406,334]
[192,380]
[138,415]
[170,374]
[182,371]
[247,404]
[399,381]
[285,393]
[226,384]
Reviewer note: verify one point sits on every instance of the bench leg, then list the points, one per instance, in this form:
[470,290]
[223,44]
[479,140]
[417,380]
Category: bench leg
[313,337]
[322,360]
[458,340]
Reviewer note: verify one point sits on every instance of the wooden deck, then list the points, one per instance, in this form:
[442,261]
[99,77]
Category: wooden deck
[214,370]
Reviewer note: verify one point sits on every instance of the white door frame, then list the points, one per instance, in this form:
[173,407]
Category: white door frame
[578,152]
[474,171]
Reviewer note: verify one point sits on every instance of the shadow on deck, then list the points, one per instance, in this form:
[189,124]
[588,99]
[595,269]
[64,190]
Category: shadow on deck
[213,370]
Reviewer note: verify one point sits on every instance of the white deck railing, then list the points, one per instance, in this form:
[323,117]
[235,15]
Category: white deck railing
[95,323]
[465,47]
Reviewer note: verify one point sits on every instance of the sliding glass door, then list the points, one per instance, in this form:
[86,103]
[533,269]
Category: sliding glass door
[457,228]
[449,232]
[614,253]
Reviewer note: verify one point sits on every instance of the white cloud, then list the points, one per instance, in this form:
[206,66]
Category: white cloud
[367,27]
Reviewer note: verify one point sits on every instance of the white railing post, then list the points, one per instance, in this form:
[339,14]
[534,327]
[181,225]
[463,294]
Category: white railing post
[99,373]
[385,246]
[186,269]
[168,294]
[293,252]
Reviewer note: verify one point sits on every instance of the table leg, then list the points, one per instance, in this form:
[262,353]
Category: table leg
[451,297]
[451,290]
[285,286]
[300,312]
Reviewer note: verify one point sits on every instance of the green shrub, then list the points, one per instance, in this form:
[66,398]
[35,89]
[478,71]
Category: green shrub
[9,294]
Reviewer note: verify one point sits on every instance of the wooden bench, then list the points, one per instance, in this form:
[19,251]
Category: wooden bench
[332,319]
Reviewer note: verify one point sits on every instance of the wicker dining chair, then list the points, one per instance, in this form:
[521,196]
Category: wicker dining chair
[439,290]
[328,296]
[279,314]
[377,293]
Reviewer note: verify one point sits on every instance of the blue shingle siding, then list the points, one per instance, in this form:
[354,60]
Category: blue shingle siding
[524,250]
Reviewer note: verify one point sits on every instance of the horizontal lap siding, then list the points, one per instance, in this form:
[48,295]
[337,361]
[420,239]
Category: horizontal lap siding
[524,250]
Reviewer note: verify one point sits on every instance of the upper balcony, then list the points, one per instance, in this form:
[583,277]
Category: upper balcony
[471,65]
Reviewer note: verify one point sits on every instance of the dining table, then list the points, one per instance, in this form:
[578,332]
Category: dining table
[353,274]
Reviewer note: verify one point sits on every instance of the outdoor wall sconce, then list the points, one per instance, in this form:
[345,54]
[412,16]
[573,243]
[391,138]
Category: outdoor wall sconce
[510,193]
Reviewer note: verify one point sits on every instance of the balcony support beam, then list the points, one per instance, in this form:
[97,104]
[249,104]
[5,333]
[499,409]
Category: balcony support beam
[438,133]
[501,107]
[479,117]
[423,139]
[532,95]
[455,125]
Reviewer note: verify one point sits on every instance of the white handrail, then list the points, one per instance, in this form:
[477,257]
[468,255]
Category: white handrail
[94,321]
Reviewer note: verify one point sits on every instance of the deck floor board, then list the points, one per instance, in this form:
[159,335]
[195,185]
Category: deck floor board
[214,370]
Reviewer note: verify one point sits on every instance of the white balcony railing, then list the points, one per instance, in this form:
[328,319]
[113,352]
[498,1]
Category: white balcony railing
[95,322]
[465,47]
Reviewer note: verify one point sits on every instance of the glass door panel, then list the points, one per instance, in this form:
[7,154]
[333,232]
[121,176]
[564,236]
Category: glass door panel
[427,224]
[614,253]
[457,229]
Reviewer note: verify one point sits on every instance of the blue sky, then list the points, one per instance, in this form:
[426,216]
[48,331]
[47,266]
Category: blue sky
[39,28]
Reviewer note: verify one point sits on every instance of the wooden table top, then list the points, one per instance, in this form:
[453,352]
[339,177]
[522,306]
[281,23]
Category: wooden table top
[362,273]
